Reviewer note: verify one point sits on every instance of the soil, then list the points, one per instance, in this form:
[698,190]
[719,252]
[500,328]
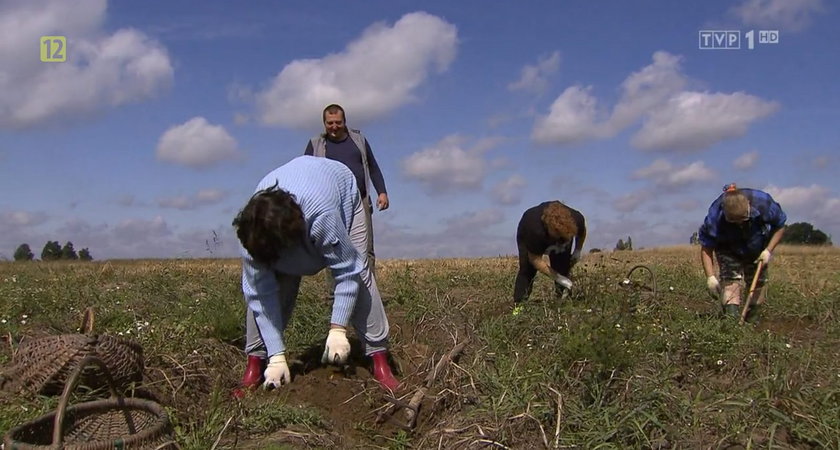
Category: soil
[349,400]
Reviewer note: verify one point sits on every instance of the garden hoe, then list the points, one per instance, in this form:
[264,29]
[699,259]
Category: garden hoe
[746,308]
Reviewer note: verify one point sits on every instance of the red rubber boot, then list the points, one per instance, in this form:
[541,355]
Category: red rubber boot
[252,377]
[382,371]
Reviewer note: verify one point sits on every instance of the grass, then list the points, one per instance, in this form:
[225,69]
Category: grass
[614,366]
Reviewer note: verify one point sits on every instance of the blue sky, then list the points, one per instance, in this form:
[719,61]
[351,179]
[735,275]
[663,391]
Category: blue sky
[154,132]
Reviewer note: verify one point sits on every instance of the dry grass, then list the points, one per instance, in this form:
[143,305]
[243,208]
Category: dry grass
[615,366]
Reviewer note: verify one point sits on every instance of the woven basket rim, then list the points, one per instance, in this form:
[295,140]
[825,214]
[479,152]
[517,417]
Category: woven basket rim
[160,424]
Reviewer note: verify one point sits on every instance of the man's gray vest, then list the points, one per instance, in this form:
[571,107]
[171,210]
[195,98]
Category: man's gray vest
[319,148]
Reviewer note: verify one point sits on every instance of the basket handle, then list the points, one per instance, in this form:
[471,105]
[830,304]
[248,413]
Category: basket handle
[70,386]
[87,320]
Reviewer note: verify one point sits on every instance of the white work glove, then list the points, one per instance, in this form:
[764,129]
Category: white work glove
[563,281]
[277,372]
[575,257]
[713,285]
[764,257]
[337,348]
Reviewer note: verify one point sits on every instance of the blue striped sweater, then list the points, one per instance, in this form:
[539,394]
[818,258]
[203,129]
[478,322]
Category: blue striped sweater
[327,194]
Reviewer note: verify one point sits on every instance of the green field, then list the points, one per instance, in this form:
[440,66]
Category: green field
[648,364]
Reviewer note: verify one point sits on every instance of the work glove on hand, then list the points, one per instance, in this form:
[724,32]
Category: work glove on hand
[277,372]
[764,257]
[337,348]
[575,257]
[713,285]
[563,281]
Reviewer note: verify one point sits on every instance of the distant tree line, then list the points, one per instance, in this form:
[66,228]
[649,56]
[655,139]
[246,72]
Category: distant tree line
[799,233]
[803,233]
[53,251]
[624,245]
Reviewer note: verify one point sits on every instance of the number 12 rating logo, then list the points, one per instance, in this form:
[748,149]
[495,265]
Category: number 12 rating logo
[53,49]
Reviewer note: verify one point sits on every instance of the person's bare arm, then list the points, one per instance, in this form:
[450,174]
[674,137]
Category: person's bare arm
[775,239]
[706,260]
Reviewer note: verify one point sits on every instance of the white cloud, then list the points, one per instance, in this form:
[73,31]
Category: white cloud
[463,235]
[102,70]
[632,201]
[571,118]
[15,219]
[509,191]
[533,78]
[141,229]
[746,161]
[201,198]
[469,223]
[697,120]
[814,204]
[136,237]
[647,89]
[127,200]
[672,118]
[688,205]
[448,166]
[604,234]
[666,175]
[798,197]
[377,73]
[788,15]
[196,143]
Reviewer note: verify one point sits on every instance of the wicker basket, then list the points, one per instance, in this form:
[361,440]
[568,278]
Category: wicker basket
[115,423]
[42,365]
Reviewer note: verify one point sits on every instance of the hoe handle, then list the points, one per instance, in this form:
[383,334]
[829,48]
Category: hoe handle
[751,292]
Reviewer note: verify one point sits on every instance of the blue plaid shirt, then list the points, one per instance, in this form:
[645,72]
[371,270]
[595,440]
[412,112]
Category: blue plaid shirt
[327,194]
[744,240]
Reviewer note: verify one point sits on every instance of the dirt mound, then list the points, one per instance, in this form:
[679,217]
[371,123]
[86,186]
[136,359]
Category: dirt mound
[344,407]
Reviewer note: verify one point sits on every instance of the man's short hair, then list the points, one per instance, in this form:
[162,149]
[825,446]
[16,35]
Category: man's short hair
[736,206]
[270,222]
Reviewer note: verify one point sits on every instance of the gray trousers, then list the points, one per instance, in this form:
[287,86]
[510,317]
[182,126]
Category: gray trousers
[368,317]
[371,256]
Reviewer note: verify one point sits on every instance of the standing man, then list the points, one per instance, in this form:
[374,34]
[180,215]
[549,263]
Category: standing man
[305,216]
[350,147]
[549,227]
[743,227]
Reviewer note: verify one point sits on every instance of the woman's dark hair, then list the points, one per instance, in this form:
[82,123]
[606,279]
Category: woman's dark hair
[270,221]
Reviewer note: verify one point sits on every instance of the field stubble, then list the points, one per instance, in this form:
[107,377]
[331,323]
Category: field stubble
[646,363]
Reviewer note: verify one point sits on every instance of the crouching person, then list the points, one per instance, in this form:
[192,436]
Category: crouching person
[548,228]
[742,227]
[307,215]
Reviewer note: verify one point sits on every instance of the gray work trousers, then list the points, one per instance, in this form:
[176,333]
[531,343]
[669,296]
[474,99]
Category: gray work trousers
[368,317]
[371,256]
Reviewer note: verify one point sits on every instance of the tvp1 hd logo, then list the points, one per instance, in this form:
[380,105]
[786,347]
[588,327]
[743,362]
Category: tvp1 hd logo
[731,39]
